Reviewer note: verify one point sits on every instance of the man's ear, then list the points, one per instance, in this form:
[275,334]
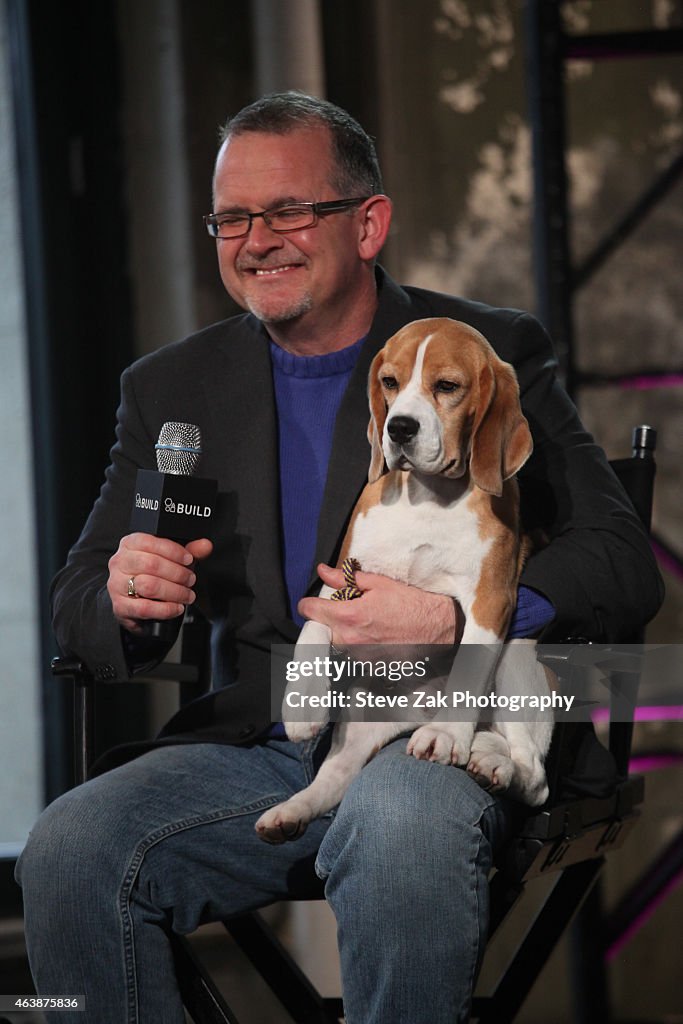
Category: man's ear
[374,226]
[501,439]
[378,415]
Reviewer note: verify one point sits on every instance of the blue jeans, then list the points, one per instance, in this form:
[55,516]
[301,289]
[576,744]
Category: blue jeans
[167,842]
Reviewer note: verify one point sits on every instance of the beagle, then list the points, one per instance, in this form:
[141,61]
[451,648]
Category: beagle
[440,512]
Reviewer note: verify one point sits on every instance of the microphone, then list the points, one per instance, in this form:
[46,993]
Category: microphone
[172,502]
[179,449]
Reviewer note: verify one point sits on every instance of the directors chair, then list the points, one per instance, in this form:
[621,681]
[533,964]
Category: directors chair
[593,805]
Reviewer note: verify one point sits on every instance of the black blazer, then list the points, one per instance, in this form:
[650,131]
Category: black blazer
[597,571]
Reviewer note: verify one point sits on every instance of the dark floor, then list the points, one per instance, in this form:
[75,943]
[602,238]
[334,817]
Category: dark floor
[248,997]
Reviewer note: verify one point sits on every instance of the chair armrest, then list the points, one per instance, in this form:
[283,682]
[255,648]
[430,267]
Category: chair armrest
[579,653]
[71,667]
[191,672]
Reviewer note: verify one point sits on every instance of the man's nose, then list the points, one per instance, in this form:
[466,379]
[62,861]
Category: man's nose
[261,237]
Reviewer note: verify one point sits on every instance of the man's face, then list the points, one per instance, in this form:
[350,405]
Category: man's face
[304,275]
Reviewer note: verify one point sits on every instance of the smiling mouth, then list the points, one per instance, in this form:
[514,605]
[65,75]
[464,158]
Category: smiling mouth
[271,271]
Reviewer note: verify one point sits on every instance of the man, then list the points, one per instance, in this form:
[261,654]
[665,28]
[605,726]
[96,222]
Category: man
[167,841]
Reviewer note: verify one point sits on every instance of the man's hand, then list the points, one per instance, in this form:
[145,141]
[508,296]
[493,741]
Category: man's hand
[388,612]
[163,575]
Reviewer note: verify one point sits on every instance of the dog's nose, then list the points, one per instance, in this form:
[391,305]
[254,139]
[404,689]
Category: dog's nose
[402,429]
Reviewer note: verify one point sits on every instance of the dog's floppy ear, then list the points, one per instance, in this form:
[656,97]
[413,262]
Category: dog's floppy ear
[378,415]
[501,439]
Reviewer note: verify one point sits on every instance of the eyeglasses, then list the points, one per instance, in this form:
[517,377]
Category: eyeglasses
[281,219]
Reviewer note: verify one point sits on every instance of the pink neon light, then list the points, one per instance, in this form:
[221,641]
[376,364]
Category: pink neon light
[652,762]
[646,381]
[643,713]
[612,951]
[667,561]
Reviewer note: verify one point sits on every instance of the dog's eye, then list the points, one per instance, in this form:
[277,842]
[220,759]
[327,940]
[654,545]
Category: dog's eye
[390,383]
[446,387]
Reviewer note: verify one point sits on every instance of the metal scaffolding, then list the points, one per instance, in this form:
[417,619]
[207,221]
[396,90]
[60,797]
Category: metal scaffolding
[557,282]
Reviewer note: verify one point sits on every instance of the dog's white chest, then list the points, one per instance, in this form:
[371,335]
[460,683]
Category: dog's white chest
[417,538]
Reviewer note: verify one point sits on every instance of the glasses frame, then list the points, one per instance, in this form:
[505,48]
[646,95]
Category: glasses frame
[213,220]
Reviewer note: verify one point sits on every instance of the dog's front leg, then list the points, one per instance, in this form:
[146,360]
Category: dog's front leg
[311,656]
[353,744]
[444,739]
[529,735]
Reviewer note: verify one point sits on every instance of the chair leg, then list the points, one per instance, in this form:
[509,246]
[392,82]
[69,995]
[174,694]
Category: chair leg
[281,972]
[84,727]
[504,896]
[532,955]
[201,998]
[588,968]
[205,1004]
[657,880]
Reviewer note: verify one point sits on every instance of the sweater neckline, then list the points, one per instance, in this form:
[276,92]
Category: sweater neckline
[330,364]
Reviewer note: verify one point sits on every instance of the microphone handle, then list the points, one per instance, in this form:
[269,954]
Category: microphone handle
[166,630]
[166,505]
[163,629]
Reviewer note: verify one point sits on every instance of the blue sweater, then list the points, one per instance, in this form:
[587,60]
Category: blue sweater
[308,392]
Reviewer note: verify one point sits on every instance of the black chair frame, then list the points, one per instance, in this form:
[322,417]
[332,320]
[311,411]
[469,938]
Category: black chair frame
[568,838]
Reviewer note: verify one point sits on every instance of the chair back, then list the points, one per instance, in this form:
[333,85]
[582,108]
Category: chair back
[637,477]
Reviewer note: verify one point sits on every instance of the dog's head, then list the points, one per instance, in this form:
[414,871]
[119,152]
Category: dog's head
[441,401]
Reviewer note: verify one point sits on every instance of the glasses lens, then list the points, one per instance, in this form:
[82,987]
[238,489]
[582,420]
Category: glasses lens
[291,218]
[228,226]
[283,218]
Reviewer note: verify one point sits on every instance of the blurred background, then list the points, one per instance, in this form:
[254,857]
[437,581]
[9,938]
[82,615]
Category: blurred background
[534,154]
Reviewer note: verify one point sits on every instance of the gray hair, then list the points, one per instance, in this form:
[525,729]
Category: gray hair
[356,168]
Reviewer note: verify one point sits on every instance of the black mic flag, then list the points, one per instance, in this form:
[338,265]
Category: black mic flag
[172,502]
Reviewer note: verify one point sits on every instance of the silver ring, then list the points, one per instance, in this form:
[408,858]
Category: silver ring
[132,592]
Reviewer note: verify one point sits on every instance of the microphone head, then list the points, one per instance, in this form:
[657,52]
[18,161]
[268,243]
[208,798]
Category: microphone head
[179,449]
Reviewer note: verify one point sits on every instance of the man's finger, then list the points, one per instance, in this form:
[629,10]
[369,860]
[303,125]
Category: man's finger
[155,588]
[314,608]
[332,577]
[160,546]
[199,549]
[365,580]
[329,613]
[139,609]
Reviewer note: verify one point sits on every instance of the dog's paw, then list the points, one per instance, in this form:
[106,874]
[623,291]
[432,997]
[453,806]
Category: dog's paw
[534,794]
[493,771]
[490,763]
[283,823]
[300,731]
[529,783]
[438,743]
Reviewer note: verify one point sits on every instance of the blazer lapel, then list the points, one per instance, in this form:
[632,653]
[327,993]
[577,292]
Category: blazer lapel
[252,418]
